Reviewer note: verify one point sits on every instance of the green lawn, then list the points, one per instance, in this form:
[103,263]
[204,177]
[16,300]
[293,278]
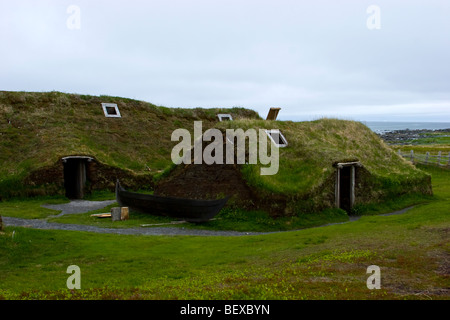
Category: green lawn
[30,208]
[228,219]
[412,250]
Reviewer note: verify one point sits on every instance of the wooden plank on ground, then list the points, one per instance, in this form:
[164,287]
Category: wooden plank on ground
[101,215]
[162,224]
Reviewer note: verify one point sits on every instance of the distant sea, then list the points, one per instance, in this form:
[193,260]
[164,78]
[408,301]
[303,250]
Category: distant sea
[386,126]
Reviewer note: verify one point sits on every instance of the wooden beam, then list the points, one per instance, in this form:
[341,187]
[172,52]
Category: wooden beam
[337,193]
[343,164]
[101,215]
[273,113]
[163,224]
[352,186]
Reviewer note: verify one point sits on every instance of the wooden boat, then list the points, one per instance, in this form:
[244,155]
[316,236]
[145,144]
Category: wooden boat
[190,210]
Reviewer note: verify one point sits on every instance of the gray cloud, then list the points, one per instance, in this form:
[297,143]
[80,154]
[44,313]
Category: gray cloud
[310,58]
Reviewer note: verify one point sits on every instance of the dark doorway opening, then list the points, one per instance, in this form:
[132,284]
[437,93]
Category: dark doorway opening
[345,189]
[345,185]
[75,176]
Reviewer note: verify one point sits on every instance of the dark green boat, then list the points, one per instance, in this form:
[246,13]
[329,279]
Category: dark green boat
[191,210]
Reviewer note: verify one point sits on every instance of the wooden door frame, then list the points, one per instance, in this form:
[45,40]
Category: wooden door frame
[337,191]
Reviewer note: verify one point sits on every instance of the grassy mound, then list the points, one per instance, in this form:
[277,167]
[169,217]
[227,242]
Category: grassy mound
[306,171]
[38,129]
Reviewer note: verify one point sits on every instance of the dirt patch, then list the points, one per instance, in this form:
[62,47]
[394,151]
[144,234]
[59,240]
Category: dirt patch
[444,265]
[403,290]
[416,281]
[201,181]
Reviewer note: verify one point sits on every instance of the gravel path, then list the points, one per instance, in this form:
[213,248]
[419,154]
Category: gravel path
[78,206]
[82,206]
[154,231]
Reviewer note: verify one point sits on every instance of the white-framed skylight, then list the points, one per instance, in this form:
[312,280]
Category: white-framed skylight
[225,117]
[111,110]
[277,137]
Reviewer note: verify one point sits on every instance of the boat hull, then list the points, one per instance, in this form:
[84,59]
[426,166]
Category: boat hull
[191,210]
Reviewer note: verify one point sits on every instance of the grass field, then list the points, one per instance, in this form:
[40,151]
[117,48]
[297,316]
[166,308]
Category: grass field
[228,219]
[431,138]
[411,249]
[431,142]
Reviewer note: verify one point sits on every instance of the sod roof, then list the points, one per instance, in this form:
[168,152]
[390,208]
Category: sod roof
[38,129]
[314,147]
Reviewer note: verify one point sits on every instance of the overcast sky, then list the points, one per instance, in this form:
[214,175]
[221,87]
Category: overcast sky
[358,60]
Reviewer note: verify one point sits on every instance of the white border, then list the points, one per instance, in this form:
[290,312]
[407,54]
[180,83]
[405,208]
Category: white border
[268,132]
[104,105]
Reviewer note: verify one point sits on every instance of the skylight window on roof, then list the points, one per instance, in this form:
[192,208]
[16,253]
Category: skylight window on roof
[277,137]
[111,110]
[224,117]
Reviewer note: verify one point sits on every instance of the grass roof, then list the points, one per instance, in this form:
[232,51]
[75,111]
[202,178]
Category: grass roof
[315,146]
[38,129]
